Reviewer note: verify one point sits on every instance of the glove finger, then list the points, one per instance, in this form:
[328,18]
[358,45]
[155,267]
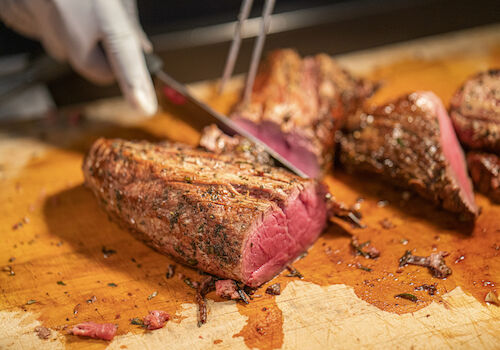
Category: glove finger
[125,55]
[133,15]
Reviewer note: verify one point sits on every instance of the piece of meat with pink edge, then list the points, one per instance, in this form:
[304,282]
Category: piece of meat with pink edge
[104,331]
[411,142]
[156,319]
[298,104]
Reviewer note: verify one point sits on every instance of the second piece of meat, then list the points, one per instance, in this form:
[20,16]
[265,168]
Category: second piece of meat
[485,171]
[475,111]
[411,141]
[298,104]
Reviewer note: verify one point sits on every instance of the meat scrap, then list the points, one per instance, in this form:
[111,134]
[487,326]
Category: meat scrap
[227,289]
[274,289]
[430,288]
[410,142]
[219,213]
[156,319]
[434,262]
[365,249]
[104,331]
[43,332]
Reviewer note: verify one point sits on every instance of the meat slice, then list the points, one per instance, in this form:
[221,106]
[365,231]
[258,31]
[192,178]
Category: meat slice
[475,111]
[298,104]
[411,142]
[104,331]
[219,213]
[155,319]
[485,171]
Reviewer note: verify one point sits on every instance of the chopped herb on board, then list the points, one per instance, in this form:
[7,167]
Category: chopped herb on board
[137,321]
[364,268]
[407,296]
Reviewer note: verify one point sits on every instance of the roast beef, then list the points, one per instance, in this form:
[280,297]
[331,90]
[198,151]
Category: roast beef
[298,104]
[475,111]
[218,213]
[485,171]
[411,142]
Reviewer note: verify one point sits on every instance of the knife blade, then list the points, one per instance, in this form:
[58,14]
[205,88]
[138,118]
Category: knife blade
[201,115]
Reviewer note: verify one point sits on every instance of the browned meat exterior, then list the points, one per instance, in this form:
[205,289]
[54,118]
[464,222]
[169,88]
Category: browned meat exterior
[215,140]
[475,111]
[411,142]
[485,171]
[298,104]
[219,213]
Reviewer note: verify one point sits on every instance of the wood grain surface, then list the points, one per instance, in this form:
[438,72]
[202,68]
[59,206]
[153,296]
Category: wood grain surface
[54,271]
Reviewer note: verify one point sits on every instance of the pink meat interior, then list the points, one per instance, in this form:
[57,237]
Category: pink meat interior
[452,151]
[282,235]
[291,146]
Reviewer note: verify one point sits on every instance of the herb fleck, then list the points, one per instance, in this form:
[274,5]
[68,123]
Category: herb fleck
[61,283]
[364,268]
[155,293]
[112,284]
[407,296]
[137,321]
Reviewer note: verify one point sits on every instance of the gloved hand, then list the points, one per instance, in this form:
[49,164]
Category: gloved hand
[101,39]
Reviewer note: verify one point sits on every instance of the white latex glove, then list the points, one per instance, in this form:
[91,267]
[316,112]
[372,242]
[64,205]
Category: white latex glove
[73,31]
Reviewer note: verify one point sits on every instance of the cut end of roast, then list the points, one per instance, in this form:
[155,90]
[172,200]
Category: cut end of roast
[283,235]
[290,146]
[453,153]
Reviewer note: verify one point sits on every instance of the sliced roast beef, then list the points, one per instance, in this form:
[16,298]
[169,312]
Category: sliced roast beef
[485,171]
[475,111]
[298,104]
[411,141]
[219,213]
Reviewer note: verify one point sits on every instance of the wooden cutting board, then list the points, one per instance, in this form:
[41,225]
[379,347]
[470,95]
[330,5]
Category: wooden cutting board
[63,262]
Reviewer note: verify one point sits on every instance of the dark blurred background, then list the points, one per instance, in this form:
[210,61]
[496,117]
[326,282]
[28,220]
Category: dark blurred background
[193,37]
